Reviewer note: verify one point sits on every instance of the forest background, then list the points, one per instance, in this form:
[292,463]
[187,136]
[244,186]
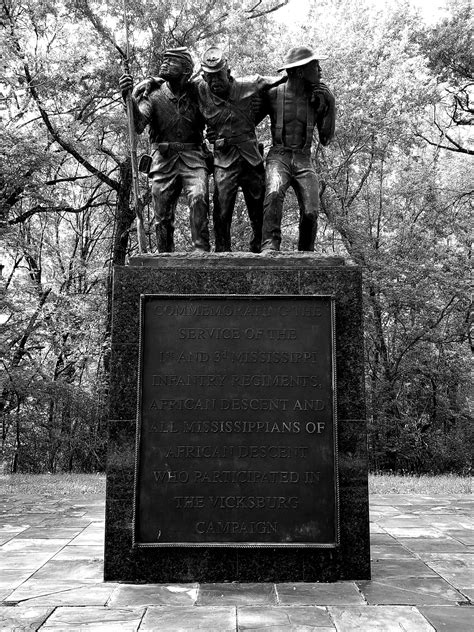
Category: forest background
[396,195]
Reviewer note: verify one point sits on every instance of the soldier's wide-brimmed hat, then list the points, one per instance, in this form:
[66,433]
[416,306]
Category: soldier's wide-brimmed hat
[299,56]
[213,60]
[182,54]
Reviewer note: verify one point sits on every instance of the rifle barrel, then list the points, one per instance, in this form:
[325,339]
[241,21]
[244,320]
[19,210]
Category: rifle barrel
[133,146]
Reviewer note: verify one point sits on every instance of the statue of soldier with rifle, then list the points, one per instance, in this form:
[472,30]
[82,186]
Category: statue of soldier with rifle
[296,108]
[170,109]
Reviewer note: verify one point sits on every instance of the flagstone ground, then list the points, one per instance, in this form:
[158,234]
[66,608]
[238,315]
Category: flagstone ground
[51,568]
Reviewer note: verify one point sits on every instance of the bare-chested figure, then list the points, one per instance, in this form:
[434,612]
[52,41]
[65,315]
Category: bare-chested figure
[295,108]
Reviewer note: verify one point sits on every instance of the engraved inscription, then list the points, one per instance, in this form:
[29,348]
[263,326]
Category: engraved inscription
[236,425]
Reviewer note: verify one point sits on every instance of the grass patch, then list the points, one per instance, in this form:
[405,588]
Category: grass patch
[63,485]
[52,485]
[424,484]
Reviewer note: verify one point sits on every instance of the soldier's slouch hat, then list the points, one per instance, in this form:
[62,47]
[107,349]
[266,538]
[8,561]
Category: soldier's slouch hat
[300,56]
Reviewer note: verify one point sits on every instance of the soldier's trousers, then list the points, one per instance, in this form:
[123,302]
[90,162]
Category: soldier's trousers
[166,189]
[287,168]
[226,184]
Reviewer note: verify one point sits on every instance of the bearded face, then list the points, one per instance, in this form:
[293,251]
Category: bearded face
[218,82]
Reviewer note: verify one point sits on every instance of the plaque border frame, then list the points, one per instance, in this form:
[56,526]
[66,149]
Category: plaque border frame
[238,545]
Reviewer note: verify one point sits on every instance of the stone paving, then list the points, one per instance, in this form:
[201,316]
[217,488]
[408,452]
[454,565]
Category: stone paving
[51,564]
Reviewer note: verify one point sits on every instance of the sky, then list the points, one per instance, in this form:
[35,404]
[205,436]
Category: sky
[431,10]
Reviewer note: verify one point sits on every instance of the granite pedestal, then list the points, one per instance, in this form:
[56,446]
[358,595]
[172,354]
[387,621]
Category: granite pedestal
[237,274]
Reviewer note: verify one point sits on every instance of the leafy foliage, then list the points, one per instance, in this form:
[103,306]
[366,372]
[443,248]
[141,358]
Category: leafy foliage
[449,50]
[393,201]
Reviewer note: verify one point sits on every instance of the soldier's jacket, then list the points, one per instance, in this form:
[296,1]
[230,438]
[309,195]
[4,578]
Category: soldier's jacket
[234,119]
[172,121]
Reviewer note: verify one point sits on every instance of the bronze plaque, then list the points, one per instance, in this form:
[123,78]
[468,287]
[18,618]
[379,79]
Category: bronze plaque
[236,431]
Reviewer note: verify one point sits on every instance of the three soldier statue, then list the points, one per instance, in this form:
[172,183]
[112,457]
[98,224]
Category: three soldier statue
[178,108]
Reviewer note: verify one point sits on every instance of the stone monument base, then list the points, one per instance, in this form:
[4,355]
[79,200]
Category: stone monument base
[133,558]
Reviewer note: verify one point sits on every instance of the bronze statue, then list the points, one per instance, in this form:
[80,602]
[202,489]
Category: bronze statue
[295,108]
[228,107]
[170,108]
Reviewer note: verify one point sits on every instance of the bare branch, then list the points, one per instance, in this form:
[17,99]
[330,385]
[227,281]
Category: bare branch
[265,11]
[12,272]
[70,179]
[109,152]
[19,353]
[254,7]
[457,148]
[430,327]
[361,183]
[113,184]
[49,209]
[84,8]
[47,121]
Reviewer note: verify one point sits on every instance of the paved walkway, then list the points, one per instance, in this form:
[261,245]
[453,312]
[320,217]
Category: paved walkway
[51,560]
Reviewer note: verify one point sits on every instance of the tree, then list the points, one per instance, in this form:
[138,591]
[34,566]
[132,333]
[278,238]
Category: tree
[391,202]
[448,47]
[401,212]
[66,211]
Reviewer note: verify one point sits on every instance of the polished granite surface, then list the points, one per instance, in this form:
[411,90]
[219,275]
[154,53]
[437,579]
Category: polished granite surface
[234,278]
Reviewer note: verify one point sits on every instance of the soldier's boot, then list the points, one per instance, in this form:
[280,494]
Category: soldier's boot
[271,237]
[221,231]
[253,188]
[256,224]
[199,220]
[308,227]
[164,237]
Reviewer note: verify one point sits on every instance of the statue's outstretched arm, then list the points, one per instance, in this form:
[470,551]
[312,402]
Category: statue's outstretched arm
[325,106]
